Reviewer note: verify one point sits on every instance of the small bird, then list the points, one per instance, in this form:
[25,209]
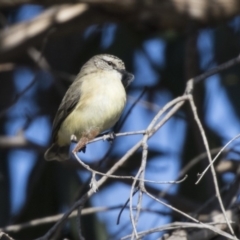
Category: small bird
[92,104]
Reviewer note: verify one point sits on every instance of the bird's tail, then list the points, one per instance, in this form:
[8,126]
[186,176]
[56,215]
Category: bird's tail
[55,152]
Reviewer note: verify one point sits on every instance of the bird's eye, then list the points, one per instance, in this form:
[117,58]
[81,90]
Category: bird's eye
[110,63]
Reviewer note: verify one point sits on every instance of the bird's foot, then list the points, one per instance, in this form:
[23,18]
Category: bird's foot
[83,141]
[81,145]
[83,149]
[73,138]
[110,136]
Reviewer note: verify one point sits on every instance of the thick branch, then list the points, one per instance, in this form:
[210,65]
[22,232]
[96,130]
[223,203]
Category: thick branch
[144,15]
[18,141]
[23,35]
[165,10]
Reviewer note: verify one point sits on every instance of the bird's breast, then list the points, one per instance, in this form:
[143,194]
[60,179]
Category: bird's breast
[103,98]
[102,101]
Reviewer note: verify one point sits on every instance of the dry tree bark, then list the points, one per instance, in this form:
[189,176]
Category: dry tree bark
[143,15]
[165,11]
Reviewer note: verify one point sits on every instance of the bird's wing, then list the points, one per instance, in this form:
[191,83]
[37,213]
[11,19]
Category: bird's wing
[69,102]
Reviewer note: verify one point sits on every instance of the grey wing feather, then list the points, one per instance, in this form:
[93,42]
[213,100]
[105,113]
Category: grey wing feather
[67,105]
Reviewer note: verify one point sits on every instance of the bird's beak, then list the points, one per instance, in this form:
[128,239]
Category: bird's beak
[127,77]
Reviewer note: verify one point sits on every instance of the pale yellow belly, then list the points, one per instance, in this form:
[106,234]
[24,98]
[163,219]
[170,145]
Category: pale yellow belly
[99,108]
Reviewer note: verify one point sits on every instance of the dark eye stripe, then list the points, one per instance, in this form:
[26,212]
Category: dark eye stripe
[109,63]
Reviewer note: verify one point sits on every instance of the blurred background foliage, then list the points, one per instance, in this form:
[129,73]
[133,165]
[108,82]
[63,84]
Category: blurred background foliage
[163,45]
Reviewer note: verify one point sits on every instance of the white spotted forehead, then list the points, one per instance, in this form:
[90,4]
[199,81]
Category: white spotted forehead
[112,58]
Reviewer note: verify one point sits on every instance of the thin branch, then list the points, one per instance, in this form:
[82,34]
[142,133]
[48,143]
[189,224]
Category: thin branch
[216,157]
[18,141]
[86,196]
[55,218]
[107,136]
[124,206]
[186,168]
[218,69]
[94,172]
[24,34]
[154,126]
[134,233]
[194,110]
[180,225]
[5,236]
[214,229]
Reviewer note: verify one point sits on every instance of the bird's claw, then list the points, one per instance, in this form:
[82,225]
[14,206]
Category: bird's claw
[109,137]
[73,138]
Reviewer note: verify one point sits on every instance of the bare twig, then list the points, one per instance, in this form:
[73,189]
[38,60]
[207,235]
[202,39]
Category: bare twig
[94,172]
[5,236]
[180,225]
[175,105]
[216,157]
[134,233]
[55,218]
[194,110]
[204,225]
[18,141]
[107,136]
